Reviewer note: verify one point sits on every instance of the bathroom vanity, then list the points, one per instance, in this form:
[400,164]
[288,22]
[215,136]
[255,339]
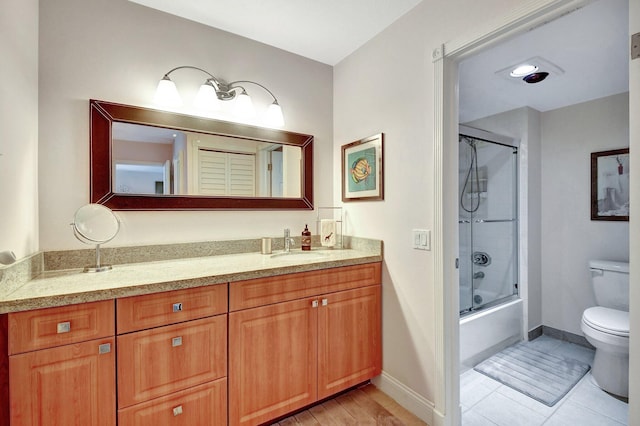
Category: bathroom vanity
[237,339]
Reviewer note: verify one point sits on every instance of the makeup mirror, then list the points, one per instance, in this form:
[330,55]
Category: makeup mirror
[95,224]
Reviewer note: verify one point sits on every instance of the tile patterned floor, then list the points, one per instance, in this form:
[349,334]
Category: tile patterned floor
[486,402]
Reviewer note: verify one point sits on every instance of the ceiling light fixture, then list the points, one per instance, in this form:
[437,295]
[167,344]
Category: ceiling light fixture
[213,92]
[523,70]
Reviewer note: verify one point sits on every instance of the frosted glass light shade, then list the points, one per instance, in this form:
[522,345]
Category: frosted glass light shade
[167,94]
[207,99]
[274,116]
[243,107]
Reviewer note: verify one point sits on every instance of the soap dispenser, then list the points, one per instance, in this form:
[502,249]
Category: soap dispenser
[306,239]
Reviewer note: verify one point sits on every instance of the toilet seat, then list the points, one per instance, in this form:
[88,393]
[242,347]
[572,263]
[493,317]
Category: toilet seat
[606,320]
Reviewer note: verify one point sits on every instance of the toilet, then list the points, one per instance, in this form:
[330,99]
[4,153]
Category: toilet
[606,326]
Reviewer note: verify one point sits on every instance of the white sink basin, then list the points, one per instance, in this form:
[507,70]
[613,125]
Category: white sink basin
[299,254]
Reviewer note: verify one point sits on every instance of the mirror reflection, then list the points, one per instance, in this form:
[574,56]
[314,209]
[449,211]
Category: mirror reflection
[160,161]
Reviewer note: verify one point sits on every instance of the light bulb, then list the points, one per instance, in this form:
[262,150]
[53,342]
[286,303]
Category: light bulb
[274,117]
[207,99]
[522,70]
[243,107]
[167,93]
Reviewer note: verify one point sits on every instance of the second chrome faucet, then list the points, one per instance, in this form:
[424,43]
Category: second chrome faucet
[288,241]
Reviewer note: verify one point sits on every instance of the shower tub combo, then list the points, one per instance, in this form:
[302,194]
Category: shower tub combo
[490,308]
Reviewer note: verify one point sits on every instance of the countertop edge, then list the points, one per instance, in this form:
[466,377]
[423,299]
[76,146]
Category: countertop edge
[16,304]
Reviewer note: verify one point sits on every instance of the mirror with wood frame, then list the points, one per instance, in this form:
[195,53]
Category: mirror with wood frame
[146,159]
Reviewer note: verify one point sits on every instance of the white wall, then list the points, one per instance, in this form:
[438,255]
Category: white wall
[19,127]
[387,86]
[569,237]
[117,51]
[523,125]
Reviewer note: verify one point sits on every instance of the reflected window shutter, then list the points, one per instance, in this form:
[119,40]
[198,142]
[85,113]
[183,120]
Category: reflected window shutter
[222,173]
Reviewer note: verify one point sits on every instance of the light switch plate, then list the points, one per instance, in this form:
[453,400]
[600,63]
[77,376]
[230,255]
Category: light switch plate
[421,239]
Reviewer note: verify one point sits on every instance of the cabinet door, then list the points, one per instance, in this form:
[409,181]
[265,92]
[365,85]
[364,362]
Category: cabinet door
[272,361]
[71,385]
[349,339]
[163,360]
[204,405]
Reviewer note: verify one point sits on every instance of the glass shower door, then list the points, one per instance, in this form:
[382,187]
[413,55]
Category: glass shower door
[487,223]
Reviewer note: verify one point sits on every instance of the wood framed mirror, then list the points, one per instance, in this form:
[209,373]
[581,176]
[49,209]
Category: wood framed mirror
[194,163]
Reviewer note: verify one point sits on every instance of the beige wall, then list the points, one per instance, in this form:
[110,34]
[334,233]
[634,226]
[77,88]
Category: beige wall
[117,51]
[19,127]
[634,146]
[387,86]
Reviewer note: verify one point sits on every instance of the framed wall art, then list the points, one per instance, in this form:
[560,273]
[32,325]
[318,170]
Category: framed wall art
[610,185]
[363,169]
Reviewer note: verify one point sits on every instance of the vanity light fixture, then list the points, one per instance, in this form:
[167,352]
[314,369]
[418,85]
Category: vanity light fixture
[214,91]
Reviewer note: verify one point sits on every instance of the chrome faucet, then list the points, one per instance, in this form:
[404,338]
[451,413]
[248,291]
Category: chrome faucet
[288,241]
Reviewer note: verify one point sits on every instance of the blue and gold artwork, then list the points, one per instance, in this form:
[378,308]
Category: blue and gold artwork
[362,173]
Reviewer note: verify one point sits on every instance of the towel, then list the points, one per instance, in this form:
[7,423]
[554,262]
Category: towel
[328,232]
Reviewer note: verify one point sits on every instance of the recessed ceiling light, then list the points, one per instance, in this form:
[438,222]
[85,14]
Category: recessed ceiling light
[523,70]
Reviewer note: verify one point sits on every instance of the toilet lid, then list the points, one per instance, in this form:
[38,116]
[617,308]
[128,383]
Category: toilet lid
[607,320]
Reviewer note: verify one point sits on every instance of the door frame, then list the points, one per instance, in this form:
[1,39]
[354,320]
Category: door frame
[445,153]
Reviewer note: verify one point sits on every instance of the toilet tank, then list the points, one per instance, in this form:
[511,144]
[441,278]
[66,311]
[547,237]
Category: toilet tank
[610,281]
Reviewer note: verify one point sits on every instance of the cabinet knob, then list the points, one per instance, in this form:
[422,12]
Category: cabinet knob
[177,307]
[105,348]
[176,341]
[314,304]
[177,410]
[325,302]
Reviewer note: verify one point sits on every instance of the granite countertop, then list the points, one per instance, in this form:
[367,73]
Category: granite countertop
[64,287]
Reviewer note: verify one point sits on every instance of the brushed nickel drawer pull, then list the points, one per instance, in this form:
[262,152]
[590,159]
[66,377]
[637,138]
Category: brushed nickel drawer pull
[105,348]
[325,302]
[176,341]
[314,304]
[64,327]
[177,307]
[177,410]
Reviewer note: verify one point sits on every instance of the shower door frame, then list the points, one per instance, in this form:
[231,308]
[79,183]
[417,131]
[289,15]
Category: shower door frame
[507,142]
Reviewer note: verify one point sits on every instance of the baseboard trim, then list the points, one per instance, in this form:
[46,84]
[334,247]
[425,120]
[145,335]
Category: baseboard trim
[534,333]
[560,335]
[409,399]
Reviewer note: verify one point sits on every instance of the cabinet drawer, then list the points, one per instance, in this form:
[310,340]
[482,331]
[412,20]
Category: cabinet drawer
[171,307]
[265,291]
[204,405]
[163,360]
[49,327]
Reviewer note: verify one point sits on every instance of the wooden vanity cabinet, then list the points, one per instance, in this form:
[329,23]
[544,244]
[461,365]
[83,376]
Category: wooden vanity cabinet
[298,338]
[62,365]
[172,358]
[349,339]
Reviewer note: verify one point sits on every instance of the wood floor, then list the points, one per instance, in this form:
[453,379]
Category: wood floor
[363,406]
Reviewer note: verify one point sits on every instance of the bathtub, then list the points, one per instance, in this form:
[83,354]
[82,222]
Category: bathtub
[488,331]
